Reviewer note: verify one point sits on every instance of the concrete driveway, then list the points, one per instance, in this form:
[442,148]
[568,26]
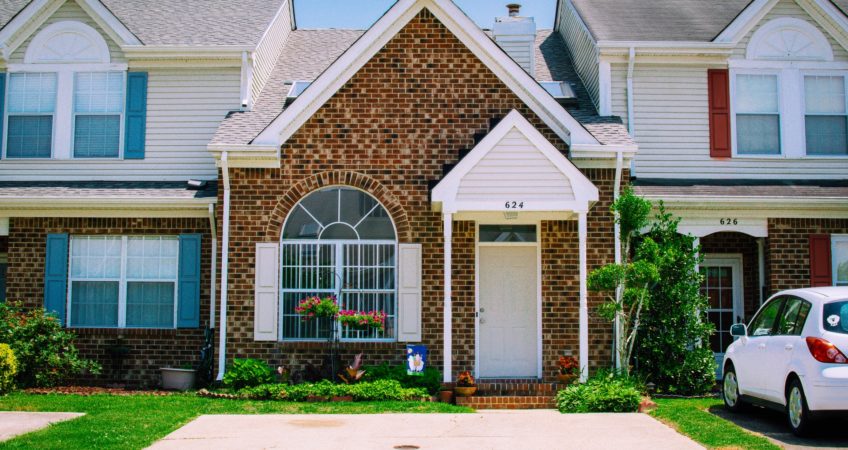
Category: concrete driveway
[483,430]
[829,434]
[16,423]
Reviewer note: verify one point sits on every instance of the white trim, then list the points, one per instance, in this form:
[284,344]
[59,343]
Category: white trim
[582,234]
[735,261]
[326,85]
[225,258]
[445,193]
[447,311]
[35,50]
[745,21]
[783,127]
[834,239]
[604,88]
[4,226]
[539,303]
[768,30]
[109,22]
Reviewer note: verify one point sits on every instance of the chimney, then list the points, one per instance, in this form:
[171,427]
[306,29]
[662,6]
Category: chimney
[516,35]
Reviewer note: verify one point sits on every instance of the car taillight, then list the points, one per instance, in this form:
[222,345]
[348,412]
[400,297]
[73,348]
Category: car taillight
[825,352]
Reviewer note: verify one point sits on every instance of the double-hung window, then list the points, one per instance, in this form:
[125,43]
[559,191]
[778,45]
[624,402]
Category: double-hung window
[757,108]
[31,106]
[98,107]
[826,118]
[123,281]
[839,253]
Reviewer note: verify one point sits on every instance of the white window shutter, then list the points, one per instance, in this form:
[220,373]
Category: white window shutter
[409,292]
[266,299]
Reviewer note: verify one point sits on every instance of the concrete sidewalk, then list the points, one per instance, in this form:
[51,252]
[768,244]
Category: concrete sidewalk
[530,429]
[16,423]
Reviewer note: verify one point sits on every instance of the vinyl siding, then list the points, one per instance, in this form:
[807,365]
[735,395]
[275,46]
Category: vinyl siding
[672,122]
[184,108]
[582,48]
[268,50]
[521,50]
[70,11]
[514,165]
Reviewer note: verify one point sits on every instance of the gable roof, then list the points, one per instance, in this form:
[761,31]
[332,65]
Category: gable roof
[346,66]
[182,22]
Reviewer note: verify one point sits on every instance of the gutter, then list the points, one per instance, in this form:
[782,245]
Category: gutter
[225,254]
[213,230]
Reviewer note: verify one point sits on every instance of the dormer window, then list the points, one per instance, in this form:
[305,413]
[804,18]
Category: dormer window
[67,99]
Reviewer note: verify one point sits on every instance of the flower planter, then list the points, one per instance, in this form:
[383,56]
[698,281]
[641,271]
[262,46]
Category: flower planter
[342,398]
[465,391]
[566,378]
[446,396]
[177,379]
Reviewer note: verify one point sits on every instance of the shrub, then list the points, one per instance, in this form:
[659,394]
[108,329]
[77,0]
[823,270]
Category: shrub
[381,390]
[246,373]
[430,379]
[44,350]
[265,392]
[604,392]
[385,390]
[8,368]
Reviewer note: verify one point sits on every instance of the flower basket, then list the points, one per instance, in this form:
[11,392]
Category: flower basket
[359,320]
[177,379]
[569,370]
[566,378]
[465,391]
[316,307]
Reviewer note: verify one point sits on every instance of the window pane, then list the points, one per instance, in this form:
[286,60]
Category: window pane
[3,269]
[97,136]
[824,95]
[826,135]
[99,92]
[756,94]
[150,305]
[757,134]
[507,233]
[339,213]
[840,260]
[794,316]
[764,322]
[29,137]
[152,257]
[95,257]
[835,317]
[94,303]
[32,93]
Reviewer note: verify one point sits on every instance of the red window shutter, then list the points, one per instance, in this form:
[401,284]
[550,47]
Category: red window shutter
[820,263]
[719,103]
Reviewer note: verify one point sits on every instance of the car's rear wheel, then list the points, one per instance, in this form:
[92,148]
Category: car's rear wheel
[730,390]
[797,412]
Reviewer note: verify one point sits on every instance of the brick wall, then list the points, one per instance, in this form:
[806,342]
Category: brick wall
[789,249]
[730,242]
[388,131]
[149,349]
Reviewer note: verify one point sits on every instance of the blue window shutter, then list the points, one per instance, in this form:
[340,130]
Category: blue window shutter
[136,115]
[56,275]
[2,102]
[188,315]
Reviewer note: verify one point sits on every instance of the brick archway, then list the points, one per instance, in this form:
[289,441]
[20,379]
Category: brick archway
[338,178]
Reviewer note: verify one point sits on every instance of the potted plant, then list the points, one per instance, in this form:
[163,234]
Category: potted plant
[569,370]
[465,385]
[446,395]
[361,320]
[182,379]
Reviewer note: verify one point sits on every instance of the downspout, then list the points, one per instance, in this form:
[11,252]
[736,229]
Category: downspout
[631,61]
[616,191]
[225,256]
[213,229]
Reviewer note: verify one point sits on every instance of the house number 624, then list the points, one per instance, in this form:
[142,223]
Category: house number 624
[514,205]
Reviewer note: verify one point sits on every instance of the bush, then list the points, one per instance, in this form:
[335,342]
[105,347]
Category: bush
[44,350]
[431,379]
[247,373]
[8,368]
[381,390]
[604,392]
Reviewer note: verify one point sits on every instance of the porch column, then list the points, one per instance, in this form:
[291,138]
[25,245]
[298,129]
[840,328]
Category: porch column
[447,312]
[584,301]
[761,260]
[695,244]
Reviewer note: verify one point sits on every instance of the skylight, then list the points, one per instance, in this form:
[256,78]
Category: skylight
[559,89]
[297,88]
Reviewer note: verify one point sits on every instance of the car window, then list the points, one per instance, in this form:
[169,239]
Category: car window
[793,317]
[763,323]
[836,317]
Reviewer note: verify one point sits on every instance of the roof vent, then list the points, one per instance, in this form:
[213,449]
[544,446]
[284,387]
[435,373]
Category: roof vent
[516,35]
[561,91]
[513,9]
[296,89]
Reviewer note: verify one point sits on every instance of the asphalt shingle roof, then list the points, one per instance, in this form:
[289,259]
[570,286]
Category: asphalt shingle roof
[104,189]
[183,22]
[309,52]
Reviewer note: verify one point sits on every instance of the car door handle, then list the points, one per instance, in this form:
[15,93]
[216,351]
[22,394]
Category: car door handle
[788,347]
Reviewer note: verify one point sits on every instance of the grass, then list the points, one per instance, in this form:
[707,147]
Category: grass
[692,418]
[131,422]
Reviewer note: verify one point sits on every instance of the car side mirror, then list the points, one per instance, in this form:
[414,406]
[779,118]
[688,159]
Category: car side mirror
[738,330]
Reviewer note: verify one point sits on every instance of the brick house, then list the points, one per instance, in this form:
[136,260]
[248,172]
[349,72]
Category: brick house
[190,166]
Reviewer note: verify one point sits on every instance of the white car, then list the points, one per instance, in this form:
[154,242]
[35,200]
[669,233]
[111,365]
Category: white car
[792,357]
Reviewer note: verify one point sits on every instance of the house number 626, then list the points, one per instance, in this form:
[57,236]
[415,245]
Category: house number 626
[514,205]
[728,221]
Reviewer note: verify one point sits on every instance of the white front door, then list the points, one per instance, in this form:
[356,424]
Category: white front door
[508,311]
[722,284]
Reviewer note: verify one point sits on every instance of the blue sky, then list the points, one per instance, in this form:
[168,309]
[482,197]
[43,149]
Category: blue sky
[362,13]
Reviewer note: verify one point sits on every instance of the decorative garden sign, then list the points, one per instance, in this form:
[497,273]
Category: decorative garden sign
[416,359]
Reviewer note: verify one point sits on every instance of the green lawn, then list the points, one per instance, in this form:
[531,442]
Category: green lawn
[692,418]
[137,421]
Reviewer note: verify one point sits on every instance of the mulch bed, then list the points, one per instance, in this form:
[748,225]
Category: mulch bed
[93,390]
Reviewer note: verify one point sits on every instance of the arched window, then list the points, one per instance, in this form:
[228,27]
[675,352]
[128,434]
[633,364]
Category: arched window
[338,241]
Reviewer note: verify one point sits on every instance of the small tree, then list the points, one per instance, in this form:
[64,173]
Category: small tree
[627,284]
[673,351]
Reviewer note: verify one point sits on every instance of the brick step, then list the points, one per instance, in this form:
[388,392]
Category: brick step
[507,402]
[515,388]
